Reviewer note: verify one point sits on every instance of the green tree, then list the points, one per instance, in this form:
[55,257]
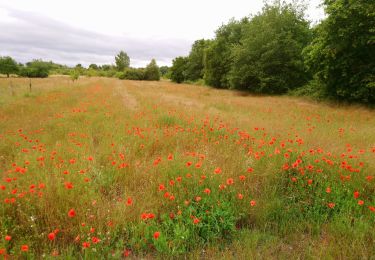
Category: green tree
[122,61]
[35,69]
[93,66]
[269,57]
[195,66]
[8,66]
[152,71]
[342,55]
[178,69]
[164,71]
[218,56]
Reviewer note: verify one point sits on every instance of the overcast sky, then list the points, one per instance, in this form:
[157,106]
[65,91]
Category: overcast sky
[88,31]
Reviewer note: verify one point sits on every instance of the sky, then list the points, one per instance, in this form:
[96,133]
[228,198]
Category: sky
[89,31]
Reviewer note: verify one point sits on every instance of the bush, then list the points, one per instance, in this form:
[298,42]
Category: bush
[152,71]
[132,74]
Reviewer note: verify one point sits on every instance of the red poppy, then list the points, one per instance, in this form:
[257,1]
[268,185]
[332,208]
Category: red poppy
[24,248]
[253,203]
[71,213]
[156,234]
[51,236]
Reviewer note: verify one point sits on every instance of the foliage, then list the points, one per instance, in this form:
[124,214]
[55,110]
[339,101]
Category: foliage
[36,69]
[132,74]
[164,71]
[219,58]
[343,50]
[74,75]
[178,69]
[269,59]
[8,66]
[122,61]
[152,71]
[195,65]
[93,66]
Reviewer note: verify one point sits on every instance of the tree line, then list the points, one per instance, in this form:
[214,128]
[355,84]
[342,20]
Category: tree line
[121,69]
[277,51]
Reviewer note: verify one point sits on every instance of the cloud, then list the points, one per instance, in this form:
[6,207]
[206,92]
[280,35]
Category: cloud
[26,36]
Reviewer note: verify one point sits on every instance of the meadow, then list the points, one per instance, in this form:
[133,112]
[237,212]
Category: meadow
[107,169]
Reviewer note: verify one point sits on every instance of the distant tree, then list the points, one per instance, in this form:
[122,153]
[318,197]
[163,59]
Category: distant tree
[35,69]
[93,66]
[152,71]
[163,70]
[132,74]
[342,54]
[8,66]
[74,75]
[178,69]
[195,66]
[122,61]
[269,58]
[106,67]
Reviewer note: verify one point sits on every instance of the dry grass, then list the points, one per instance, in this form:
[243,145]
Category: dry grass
[126,126]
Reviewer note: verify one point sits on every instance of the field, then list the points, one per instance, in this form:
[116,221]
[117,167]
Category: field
[103,168]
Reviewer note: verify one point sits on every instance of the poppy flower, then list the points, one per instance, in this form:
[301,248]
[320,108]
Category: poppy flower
[8,238]
[253,203]
[51,236]
[71,213]
[24,248]
[156,234]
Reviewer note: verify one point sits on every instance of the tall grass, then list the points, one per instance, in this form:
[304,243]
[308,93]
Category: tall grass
[190,171]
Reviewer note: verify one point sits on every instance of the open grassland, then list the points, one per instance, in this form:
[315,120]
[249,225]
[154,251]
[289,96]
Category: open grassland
[104,168]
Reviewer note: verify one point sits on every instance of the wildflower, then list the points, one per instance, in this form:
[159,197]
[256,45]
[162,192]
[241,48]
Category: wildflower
[196,221]
[24,248]
[71,213]
[217,170]
[127,252]
[356,194]
[68,185]
[51,236]
[85,244]
[129,201]
[328,190]
[239,196]
[156,234]
[207,191]
[253,203]
[8,238]
[230,181]
[331,205]
[95,240]
[361,202]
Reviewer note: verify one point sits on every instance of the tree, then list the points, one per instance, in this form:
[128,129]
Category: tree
[269,57]
[74,75]
[342,55]
[195,66]
[93,66]
[35,69]
[152,71]
[164,71]
[178,69]
[8,66]
[122,61]
[218,57]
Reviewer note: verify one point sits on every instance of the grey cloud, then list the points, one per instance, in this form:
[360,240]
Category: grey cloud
[34,36]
